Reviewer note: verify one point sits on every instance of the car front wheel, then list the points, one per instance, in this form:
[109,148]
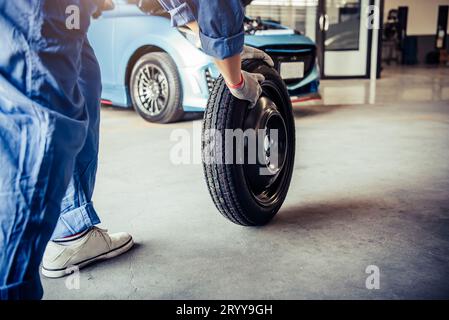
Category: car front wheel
[155,88]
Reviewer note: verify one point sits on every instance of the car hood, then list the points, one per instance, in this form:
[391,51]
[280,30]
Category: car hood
[264,40]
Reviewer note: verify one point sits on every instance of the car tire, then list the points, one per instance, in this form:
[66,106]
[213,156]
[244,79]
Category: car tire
[155,88]
[238,192]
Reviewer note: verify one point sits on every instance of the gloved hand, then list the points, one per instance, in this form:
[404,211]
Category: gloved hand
[108,5]
[104,5]
[249,89]
[250,53]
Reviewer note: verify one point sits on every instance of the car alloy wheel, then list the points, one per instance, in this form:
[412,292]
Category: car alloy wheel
[155,88]
[152,90]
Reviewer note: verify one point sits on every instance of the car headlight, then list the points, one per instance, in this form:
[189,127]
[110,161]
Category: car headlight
[191,36]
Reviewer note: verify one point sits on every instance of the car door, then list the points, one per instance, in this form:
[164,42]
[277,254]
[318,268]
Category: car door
[101,37]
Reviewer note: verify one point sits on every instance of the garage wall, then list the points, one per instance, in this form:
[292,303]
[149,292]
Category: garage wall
[422,15]
[422,22]
[301,15]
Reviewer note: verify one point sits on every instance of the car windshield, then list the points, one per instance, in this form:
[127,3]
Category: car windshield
[151,7]
[154,8]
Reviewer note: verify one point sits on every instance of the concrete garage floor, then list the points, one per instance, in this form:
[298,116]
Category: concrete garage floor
[370,187]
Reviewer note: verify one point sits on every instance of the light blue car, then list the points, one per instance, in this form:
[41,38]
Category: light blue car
[163,73]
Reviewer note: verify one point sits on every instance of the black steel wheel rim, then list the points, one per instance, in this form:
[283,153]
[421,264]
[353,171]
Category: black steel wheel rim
[266,115]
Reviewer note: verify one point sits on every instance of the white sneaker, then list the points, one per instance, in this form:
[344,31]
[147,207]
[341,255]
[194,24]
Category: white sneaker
[62,257]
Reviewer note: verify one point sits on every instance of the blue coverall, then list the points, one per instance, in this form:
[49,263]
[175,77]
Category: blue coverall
[49,122]
[221,23]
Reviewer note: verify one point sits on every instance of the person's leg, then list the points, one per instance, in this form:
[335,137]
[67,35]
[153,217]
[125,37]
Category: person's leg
[75,242]
[77,211]
[35,171]
[43,126]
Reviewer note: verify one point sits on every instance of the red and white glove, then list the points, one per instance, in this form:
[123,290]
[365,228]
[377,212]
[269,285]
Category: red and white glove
[250,53]
[249,88]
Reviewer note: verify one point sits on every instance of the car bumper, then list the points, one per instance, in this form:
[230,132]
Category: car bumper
[198,83]
[197,86]
[307,86]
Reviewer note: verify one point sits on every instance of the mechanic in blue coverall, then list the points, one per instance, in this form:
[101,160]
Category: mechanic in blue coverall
[49,130]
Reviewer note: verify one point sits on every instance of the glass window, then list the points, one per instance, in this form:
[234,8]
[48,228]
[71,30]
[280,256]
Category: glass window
[300,15]
[344,25]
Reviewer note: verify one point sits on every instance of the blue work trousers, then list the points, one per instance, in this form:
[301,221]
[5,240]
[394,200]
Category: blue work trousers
[49,120]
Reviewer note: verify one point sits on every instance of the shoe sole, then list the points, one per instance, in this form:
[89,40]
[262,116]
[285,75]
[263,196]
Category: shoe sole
[59,273]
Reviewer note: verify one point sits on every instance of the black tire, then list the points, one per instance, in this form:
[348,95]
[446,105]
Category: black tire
[155,88]
[233,186]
